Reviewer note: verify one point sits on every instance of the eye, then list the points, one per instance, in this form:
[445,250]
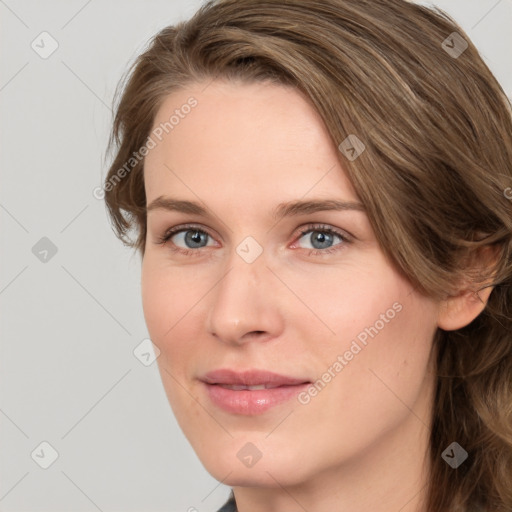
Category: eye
[191,238]
[322,239]
[319,239]
[185,238]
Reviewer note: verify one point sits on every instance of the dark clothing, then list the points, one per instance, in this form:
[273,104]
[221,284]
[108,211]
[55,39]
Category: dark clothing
[230,505]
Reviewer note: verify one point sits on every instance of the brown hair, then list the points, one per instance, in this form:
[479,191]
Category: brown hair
[437,133]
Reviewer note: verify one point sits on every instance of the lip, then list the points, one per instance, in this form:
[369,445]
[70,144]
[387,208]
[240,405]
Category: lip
[279,389]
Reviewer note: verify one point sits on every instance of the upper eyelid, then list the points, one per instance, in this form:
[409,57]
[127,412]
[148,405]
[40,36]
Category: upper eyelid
[323,227]
[181,228]
[191,226]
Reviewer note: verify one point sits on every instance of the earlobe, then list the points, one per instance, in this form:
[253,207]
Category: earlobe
[458,311]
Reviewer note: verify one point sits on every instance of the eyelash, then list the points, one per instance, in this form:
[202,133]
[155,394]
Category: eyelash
[162,240]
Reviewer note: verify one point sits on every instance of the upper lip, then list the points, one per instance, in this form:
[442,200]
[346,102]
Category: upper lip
[250,378]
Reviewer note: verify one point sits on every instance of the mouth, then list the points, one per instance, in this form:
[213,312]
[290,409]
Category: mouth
[250,392]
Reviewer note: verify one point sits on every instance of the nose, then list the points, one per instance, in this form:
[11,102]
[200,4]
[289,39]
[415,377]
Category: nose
[244,304]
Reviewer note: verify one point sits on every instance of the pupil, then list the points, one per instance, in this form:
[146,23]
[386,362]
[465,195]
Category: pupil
[322,238]
[193,238]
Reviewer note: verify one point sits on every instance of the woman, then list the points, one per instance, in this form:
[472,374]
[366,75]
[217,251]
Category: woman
[319,192]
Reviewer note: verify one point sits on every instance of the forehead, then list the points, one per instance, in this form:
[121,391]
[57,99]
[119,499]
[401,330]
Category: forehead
[242,138]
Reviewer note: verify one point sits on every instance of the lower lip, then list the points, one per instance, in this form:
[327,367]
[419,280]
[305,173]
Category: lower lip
[251,402]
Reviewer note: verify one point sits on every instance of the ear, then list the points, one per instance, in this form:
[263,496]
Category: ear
[457,311]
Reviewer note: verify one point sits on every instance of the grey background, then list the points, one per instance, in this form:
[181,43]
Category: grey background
[70,324]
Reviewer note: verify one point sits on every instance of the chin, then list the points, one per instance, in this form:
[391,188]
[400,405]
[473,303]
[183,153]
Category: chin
[240,463]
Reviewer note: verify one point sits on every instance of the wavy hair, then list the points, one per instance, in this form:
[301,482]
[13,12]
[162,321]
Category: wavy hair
[435,177]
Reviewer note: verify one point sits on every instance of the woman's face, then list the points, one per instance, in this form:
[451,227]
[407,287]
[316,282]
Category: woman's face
[263,274]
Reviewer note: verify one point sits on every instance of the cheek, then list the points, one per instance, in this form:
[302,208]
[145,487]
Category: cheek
[340,304]
[173,301]
[168,300]
[382,377]
[168,297]
[377,358]
[156,302]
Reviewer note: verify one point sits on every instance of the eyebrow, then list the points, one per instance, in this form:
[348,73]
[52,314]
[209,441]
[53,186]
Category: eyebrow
[288,209]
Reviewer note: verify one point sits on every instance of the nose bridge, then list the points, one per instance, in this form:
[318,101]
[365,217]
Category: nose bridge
[242,302]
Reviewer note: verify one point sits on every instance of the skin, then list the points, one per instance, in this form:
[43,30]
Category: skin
[362,442]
